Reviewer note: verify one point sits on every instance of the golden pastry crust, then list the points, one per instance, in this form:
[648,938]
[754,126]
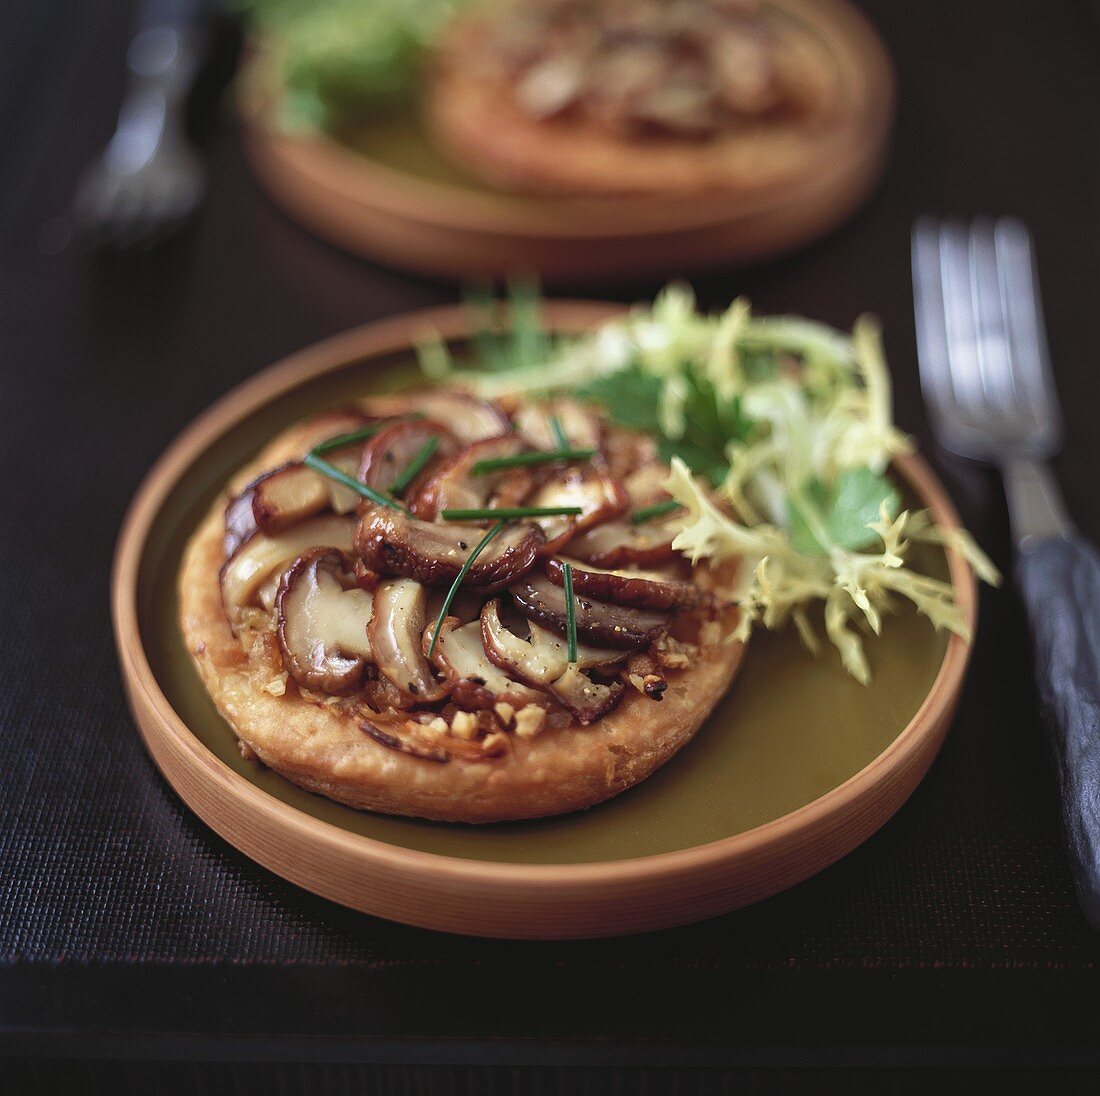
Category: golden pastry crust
[473,114]
[320,746]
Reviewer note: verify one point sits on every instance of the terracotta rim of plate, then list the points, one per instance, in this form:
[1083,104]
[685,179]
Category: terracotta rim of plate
[531,901]
[341,193]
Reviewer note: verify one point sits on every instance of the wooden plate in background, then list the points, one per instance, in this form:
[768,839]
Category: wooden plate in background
[795,768]
[392,196]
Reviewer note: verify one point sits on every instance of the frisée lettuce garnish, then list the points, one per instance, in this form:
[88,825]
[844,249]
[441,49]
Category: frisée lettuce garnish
[786,423]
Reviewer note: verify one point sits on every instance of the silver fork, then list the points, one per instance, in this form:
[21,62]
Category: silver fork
[149,179]
[985,373]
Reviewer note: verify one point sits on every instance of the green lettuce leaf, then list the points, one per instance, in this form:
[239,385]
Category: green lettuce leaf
[823,518]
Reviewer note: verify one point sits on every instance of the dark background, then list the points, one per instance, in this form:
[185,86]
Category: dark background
[131,935]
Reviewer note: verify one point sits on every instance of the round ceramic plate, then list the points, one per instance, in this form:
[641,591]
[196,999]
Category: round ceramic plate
[387,193]
[796,767]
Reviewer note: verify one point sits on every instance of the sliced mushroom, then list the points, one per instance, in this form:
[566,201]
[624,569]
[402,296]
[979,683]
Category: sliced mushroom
[395,630]
[586,700]
[626,451]
[323,618]
[580,424]
[461,657]
[541,658]
[391,450]
[469,418]
[542,661]
[343,499]
[616,544]
[392,543]
[261,556]
[597,622]
[646,484]
[454,486]
[639,590]
[240,522]
[599,495]
[287,496]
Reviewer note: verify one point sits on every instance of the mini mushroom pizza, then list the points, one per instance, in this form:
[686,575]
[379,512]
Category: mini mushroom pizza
[438,606]
[660,98]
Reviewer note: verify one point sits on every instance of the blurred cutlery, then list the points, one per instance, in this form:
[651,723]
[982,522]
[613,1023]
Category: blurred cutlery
[985,372]
[149,179]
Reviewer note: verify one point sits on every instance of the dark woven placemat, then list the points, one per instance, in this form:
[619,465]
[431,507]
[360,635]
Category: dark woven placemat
[103,363]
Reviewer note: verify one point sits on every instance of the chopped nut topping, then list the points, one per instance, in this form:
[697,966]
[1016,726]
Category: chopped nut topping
[464,725]
[530,721]
[277,685]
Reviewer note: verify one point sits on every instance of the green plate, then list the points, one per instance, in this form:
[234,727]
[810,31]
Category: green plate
[793,727]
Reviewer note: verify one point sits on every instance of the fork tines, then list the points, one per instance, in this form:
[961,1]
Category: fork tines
[984,364]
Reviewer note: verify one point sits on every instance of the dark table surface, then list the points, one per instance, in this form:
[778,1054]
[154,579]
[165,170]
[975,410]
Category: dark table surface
[128,929]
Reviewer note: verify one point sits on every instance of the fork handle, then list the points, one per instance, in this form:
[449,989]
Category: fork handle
[1059,578]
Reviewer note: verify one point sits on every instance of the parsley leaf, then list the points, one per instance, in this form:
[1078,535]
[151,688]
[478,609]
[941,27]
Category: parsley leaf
[632,397]
[843,511]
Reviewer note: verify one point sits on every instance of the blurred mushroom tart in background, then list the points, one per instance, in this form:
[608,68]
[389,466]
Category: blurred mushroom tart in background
[437,605]
[657,97]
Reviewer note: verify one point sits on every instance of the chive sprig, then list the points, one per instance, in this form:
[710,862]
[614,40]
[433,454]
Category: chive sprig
[561,440]
[510,513]
[521,460]
[318,464]
[570,613]
[415,466]
[462,573]
[647,513]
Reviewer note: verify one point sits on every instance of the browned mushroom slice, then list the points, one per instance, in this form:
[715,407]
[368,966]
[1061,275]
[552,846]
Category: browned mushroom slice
[597,622]
[288,495]
[586,700]
[646,485]
[461,657]
[292,493]
[261,558]
[540,659]
[469,418]
[391,451]
[639,590]
[580,425]
[392,543]
[323,617]
[599,495]
[395,630]
[240,522]
[626,451]
[343,499]
[625,544]
[454,486]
